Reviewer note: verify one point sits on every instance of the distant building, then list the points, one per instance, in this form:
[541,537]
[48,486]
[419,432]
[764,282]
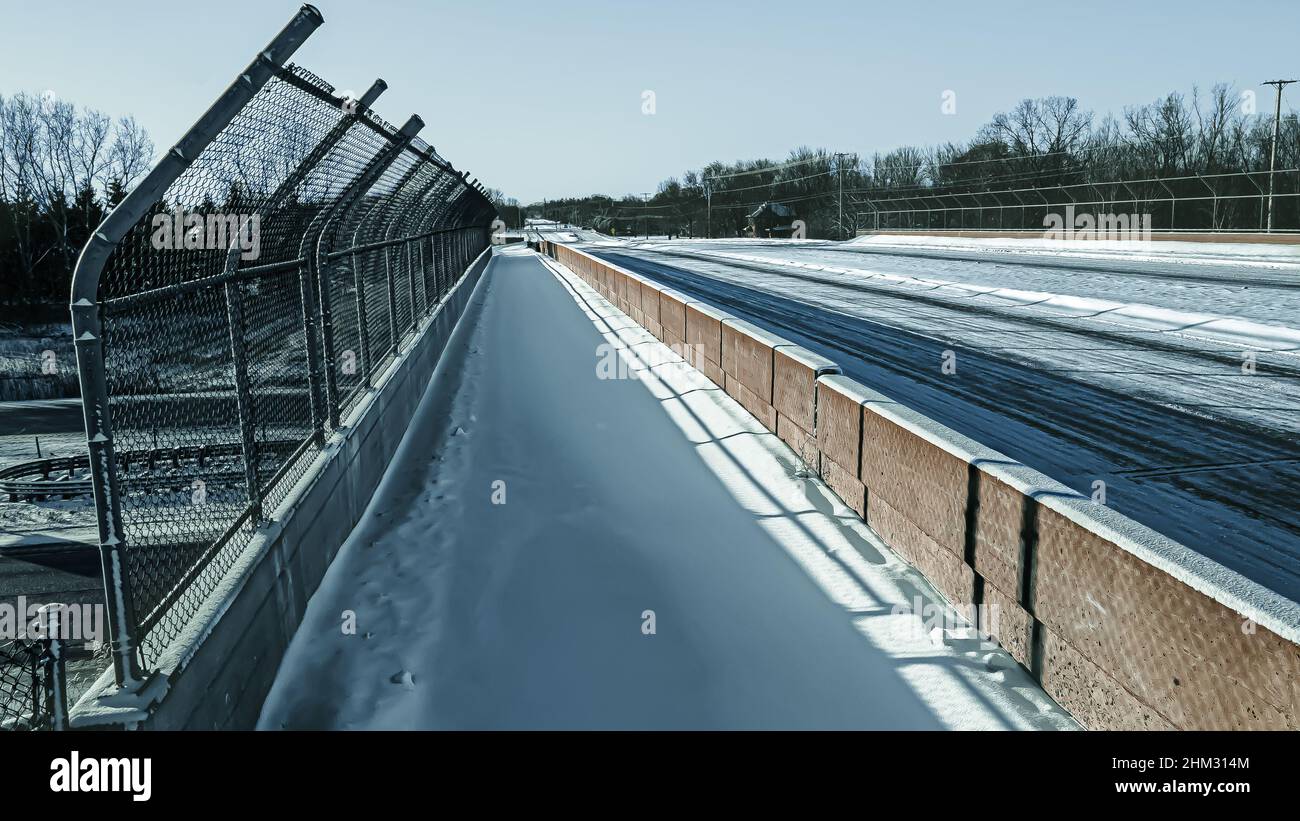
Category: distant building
[614,226]
[772,219]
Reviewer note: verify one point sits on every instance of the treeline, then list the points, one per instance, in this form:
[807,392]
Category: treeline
[1178,143]
[61,169]
[508,208]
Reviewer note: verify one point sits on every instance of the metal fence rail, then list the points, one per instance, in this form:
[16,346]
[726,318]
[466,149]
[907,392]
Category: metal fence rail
[230,312]
[1196,202]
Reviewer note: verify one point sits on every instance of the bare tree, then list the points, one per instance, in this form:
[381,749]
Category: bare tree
[19,134]
[131,153]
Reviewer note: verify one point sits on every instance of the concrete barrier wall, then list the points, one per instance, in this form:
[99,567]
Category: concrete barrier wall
[218,675]
[1167,236]
[1122,626]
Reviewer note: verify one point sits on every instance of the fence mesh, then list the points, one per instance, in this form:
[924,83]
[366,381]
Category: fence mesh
[242,315]
[23,685]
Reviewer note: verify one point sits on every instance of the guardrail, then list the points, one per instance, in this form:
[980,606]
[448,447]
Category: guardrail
[238,303]
[1123,627]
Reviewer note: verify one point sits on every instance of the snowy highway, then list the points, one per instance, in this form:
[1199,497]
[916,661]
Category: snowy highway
[1168,381]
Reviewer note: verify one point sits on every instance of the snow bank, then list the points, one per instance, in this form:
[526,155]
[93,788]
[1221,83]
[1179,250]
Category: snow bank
[1136,250]
[1213,327]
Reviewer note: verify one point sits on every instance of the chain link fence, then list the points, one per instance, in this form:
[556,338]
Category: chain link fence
[1238,201]
[33,692]
[228,315]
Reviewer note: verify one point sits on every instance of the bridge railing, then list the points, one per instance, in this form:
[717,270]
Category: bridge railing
[231,311]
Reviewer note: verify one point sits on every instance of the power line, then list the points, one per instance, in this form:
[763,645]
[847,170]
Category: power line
[790,164]
[773,183]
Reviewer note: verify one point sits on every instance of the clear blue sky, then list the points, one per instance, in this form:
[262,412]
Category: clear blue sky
[544,99]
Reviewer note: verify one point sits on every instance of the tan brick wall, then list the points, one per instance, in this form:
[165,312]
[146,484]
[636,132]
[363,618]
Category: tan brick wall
[846,486]
[794,382]
[945,569]
[704,333]
[760,410]
[750,358]
[650,302]
[672,315]
[839,424]
[711,370]
[1002,617]
[1091,695]
[801,441]
[999,532]
[1184,654]
[921,481]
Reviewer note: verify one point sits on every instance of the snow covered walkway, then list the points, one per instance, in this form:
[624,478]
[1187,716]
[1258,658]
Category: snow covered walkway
[555,549]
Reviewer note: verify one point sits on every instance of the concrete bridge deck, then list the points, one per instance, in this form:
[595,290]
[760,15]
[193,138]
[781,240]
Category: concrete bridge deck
[554,548]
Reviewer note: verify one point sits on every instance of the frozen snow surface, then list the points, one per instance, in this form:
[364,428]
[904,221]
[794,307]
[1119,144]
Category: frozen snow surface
[554,549]
[1171,249]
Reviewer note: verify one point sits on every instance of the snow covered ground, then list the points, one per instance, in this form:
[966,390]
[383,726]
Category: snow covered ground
[57,424]
[657,560]
[1181,252]
[1175,384]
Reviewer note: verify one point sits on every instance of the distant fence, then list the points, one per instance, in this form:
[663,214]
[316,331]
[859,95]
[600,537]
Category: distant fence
[233,309]
[1194,202]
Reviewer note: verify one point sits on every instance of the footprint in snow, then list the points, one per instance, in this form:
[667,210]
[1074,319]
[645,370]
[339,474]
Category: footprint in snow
[404,678]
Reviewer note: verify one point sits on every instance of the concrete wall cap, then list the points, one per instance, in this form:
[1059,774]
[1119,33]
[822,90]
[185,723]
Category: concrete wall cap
[847,387]
[768,338]
[677,295]
[818,363]
[708,310]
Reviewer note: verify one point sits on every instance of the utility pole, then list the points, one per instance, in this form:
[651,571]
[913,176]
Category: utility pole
[839,167]
[708,210]
[1272,154]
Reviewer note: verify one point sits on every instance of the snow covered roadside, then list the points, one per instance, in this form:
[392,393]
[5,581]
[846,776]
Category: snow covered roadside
[1284,255]
[1213,327]
[629,504]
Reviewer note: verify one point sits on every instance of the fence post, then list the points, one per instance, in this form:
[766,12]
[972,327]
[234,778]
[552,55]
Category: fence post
[391,276]
[411,248]
[444,268]
[53,671]
[363,320]
[430,300]
[243,393]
